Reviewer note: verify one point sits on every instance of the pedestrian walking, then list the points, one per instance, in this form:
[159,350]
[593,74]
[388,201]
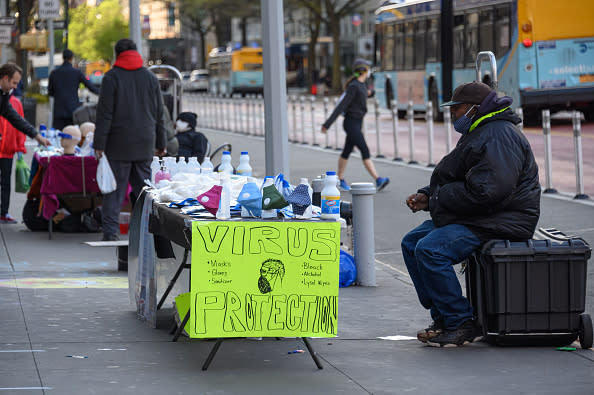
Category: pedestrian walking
[486,188]
[63,86]
[12,142]
[353,105]
[129,128]
[10,76]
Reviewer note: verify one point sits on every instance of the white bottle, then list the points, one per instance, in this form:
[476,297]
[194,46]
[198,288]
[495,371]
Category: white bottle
[330,197]
[171,165]
[206,167]
[193,166]
[181,165]
[308,211]
[224,211]
[155,167]
[226,166]
[272,212]
[244,168]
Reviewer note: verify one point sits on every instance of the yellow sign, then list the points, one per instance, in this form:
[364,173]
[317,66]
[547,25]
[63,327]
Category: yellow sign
[264,279]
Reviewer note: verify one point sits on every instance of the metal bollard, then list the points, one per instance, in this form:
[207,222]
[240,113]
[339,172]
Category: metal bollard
[576,118]
[249,115]
[326,117]
[227,109]
[394,111]
[363,232]
[336,128]
[294,107]
[302,108]
[447,121]
[429,119]
[410,113]
[313,120]
[546,131]
[520,113]
[261,111]
[378,150]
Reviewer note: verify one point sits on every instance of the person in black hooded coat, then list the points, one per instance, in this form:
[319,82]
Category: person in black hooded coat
[191,142]
[486,188]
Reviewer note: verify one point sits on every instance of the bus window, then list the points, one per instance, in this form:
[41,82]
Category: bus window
[433,39]
[502,30]
[420,35]
[399,47]
[409,30]
[252,66]
[471,39]
[458,41]
[388,56]
[487,43]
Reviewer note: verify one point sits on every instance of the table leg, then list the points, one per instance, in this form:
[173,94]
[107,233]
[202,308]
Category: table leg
[213,351]
[173,280]
[181,327]
[312,353]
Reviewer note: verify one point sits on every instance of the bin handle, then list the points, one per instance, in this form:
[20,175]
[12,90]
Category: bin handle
[487,56]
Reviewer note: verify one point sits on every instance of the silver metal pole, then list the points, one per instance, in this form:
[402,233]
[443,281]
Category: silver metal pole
[410,113]
[275,88]
[294,110]
[395,121]
[378,148]
[261,115]
[576,118]
[302,108]
[429,118]
[134,24]
[520,113]
[447,121]
[546,130]
[336,147]
[313,119]
[249,114]
[363,232]
[3,56]
[326,117]
[50,28]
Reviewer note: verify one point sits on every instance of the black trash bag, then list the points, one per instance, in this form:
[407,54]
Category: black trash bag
[31,217]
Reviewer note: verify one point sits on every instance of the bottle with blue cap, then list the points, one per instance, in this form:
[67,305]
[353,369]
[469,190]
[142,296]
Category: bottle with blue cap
[226,166]
[244,168]
[330,197]
[42,132]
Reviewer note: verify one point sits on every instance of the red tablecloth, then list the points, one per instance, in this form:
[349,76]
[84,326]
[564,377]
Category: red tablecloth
[64,174]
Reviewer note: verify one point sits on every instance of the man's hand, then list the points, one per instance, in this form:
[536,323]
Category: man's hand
[98,153]
[160,152]
[324,129]
[42,140]
[417,202]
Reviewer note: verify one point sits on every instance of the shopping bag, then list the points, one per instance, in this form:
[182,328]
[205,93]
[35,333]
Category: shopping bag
[105,178]
[22,173]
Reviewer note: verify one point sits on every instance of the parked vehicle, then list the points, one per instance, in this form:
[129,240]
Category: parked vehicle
[198,80]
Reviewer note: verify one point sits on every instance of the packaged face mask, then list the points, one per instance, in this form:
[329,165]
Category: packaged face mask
[251,199]
[210,199]
[272,199]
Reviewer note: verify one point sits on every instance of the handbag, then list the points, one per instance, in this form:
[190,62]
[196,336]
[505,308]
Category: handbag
[105,178]
[22,173]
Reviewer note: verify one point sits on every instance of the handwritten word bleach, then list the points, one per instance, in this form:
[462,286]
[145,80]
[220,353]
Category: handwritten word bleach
[330,197]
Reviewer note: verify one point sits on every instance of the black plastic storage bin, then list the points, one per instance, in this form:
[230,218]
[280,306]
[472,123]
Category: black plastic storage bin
[532,292]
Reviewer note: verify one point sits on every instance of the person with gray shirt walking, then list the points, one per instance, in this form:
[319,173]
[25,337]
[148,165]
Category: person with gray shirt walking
[129,128]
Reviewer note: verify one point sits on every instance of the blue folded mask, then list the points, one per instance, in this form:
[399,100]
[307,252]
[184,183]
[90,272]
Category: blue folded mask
[251,198]
[462,124]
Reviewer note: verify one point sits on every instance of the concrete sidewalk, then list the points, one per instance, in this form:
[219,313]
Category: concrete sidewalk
[67,326]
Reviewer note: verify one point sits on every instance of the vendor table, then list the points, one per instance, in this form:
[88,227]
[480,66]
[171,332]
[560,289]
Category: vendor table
[66,175]
[151,220]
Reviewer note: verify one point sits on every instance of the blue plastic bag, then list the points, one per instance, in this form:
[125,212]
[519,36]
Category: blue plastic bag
[347,269]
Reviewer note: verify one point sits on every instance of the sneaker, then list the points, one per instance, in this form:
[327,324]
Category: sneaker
[7,219]
[110,237]
[435,329]
[344,186]
[464,334]
[381,183]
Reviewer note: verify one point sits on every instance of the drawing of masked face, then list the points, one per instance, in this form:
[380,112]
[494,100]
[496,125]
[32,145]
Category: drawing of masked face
[270,272]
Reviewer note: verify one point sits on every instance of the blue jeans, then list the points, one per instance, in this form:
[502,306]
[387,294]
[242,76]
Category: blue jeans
[430,253]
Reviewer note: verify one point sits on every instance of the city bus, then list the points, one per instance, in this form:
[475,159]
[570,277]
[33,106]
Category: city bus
[237,70]
[544,51]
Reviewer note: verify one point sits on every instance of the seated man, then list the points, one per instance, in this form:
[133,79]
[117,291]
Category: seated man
[486,188]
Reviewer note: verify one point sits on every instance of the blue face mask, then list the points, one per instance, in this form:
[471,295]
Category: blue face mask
[462,124]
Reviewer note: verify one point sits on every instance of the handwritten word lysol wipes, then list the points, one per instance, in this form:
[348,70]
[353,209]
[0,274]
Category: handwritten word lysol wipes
[264,279]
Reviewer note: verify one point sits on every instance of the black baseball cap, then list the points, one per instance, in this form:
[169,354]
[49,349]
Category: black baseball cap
[470,93]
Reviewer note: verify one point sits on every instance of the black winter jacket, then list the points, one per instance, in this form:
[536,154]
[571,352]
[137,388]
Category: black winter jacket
[13,117]
[129,115]
[63,86]
[353,104]
[192,143]
[489,182]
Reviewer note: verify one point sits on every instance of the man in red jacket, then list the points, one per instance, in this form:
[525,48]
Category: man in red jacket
[12,141]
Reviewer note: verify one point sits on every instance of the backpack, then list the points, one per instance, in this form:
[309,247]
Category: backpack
[32,217]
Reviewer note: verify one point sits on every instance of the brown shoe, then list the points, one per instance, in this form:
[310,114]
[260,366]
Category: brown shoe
[435,329]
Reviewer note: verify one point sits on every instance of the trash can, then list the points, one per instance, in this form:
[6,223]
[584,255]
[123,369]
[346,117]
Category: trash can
[29,110]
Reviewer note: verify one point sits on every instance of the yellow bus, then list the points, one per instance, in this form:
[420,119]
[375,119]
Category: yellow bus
[236,70]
